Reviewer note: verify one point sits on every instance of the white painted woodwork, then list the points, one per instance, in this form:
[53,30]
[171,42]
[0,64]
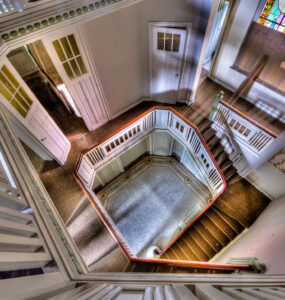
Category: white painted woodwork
[48,133]
[39,123]
[244,132]
[166,66]
[39,286]
[3,176]
[270,291]
[184,292]
[18,243]
[11,198]
[85,90]
[260,294]
[10,227]
[141,138]
[236,294]
[13,215]
[208,292]
[25,260]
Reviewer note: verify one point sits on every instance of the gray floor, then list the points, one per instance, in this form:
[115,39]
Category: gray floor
[150,207]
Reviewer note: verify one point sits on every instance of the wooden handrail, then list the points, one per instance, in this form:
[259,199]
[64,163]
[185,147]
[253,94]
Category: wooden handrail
[273,134]
[106,219]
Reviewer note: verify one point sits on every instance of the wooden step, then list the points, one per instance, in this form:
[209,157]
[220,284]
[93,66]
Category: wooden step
[208,236]
[216,232]
[217,151]
[187,249]
[198,251]
[202,242]
[221,224]
[226,208]
[208,134]
[221,157]
[236,226]
[227,163]
[230,173]
[176,252]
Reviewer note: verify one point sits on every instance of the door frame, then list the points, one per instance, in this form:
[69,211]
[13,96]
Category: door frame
[185,68]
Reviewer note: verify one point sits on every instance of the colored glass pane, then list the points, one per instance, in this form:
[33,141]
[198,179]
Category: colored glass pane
[273,15]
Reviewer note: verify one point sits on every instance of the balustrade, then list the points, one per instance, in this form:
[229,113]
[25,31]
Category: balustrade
[245,130]
[158,118]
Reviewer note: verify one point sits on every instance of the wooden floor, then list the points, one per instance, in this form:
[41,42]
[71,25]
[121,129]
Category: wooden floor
[66,194]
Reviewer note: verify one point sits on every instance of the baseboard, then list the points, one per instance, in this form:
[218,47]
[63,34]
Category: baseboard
[128,108]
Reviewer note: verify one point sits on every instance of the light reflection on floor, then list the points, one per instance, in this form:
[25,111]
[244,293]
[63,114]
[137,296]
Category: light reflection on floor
[150,202]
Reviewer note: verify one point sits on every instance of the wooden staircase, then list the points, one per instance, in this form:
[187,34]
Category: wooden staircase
[234,211]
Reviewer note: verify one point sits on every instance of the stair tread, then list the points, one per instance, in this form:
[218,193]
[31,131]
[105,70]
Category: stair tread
[179,252]
[225,207]
[188,250]
[218,234]
[221,224]
[236,226]
[198,251]
[202,243]
[208,236]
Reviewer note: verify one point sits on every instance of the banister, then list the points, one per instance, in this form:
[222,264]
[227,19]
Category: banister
[273,134]
[106,218]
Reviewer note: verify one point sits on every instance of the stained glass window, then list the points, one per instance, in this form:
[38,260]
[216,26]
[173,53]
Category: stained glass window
[273,15]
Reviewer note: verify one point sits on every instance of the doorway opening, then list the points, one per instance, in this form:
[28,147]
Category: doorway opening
[216,33]
[36,68]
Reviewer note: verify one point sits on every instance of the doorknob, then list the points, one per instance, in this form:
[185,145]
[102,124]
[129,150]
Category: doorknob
[43,139]
[177,74]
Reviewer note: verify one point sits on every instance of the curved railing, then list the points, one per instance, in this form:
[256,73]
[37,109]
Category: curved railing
[156,118]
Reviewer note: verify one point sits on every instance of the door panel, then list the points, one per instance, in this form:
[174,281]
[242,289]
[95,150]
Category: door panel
[26,108]
[48,133]
[168,45]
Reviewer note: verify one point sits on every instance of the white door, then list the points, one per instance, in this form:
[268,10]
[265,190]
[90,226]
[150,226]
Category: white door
[26,108]
[168,45]
[48,133]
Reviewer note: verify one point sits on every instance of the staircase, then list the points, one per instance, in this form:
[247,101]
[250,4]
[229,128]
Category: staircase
[234,211]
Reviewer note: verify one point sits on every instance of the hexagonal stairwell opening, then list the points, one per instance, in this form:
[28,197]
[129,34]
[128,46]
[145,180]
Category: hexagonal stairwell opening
[150,180]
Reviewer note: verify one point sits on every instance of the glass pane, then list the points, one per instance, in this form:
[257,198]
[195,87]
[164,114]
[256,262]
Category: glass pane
[81,64]
[68,70]
[75,67]
[272,15]
[22,101]
[73,44]
[176,42]
[6,83]
[160,41]
[59,50]
[10,76]
[66,47]
[18,108]
[168,41]
[4,92]
[25,95]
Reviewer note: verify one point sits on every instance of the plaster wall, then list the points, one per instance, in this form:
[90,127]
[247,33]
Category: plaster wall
[119,46]
[241,15]
[265,239]
[264,175]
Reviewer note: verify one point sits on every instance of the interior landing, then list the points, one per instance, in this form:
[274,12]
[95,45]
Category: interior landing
[152,202]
